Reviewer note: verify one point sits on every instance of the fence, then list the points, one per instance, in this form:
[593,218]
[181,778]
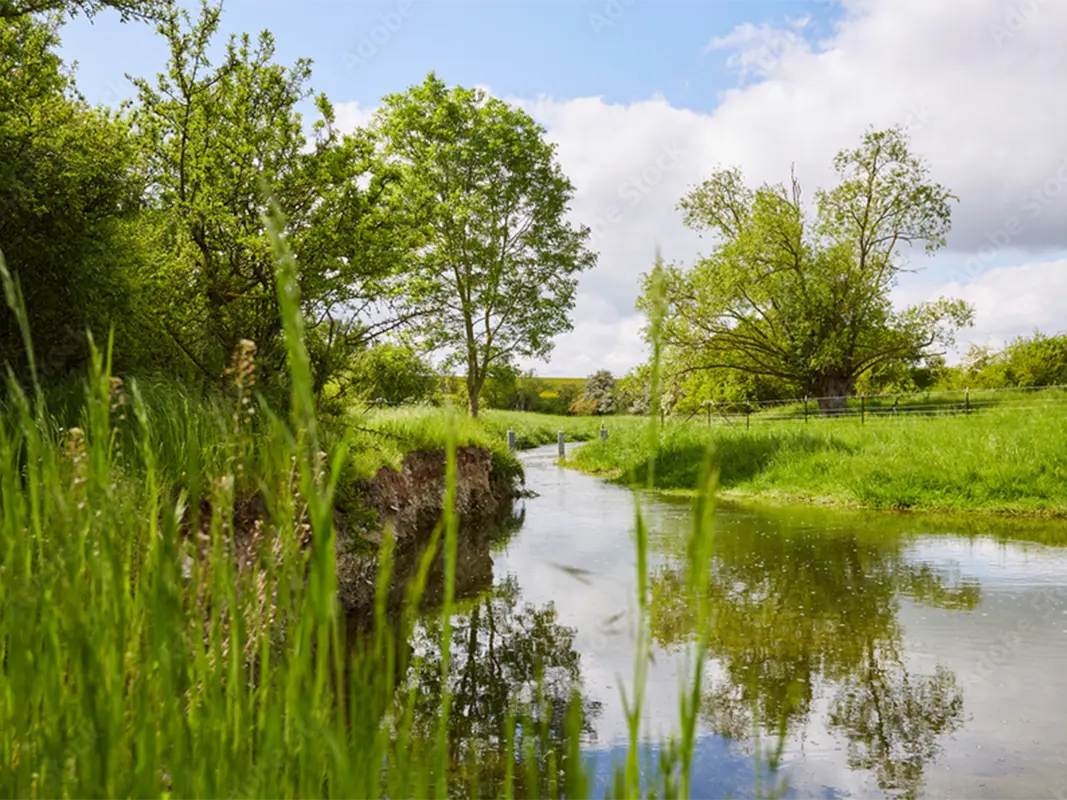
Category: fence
[865,407]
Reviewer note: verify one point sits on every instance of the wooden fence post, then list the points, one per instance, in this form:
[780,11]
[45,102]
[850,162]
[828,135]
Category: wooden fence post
[603,431]
[863,408]
[560,442]
[748,413]
[511,441]
[805,408]
[967,400]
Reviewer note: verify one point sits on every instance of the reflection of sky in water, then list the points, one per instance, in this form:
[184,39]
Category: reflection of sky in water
[1008,654]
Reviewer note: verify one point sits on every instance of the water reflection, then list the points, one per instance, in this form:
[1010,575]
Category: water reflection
[503,653]
[514,674]
[855,638]
[798,613]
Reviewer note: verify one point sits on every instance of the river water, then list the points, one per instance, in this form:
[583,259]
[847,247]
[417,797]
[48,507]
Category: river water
[889,655]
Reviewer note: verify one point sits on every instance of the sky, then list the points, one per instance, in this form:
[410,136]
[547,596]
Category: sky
[646,98]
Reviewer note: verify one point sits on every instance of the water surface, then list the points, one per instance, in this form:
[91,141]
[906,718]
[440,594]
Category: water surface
[892,655]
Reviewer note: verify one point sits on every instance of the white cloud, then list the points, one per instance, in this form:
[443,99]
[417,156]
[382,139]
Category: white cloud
[1017,300]
[978,82]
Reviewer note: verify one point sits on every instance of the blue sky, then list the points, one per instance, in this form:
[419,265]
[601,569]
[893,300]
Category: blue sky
[633,96]
[363,49]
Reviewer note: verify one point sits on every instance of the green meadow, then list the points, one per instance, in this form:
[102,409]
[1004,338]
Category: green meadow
[1010,460]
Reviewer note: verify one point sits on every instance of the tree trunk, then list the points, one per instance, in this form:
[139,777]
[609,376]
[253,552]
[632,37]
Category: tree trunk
[474,388]
[833,393]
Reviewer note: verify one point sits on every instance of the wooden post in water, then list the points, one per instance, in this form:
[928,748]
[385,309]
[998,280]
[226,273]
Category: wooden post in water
[511,441]
[560,440]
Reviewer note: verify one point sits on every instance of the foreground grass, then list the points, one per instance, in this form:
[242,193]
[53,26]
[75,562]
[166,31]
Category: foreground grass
[141,655]
[1000,461]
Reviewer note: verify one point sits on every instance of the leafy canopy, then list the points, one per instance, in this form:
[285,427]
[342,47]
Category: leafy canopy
[495,279]
[215,138]
[804,298]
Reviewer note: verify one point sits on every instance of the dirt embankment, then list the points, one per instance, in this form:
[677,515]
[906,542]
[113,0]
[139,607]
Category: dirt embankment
[411,502]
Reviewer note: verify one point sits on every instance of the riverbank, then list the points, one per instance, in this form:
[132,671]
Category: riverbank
[1010,463]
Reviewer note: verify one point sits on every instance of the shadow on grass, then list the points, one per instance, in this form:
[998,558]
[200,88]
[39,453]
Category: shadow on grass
[737,458]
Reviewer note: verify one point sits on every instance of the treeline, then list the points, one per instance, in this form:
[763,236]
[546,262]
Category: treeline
[441,226]
[1025,362]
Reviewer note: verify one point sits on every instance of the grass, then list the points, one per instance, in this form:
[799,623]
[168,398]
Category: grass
[534,430]
[383,436]
[138,657]
[1002,461]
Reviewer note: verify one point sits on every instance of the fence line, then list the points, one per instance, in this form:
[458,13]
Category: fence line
[950,402]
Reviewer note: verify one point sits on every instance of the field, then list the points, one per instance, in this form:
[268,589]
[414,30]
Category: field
[1011,460]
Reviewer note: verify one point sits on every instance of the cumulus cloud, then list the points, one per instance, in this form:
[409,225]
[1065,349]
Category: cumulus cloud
[978,84]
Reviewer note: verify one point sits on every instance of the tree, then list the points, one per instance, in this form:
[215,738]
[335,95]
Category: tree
[213,138]
[598,395]
[69,202]
[498,272]
[128,9]
[807,301]
[393,373]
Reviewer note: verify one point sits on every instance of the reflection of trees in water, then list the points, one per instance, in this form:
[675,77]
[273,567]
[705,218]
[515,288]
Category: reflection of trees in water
[893,720]
[501,654]
[792,609]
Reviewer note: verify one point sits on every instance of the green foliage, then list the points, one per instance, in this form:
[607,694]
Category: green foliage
[807,302]
[213,136]
[393,373]
[496,278]
[128,9]
[598,395]
[69,196]
[1003,460]
[1037,360]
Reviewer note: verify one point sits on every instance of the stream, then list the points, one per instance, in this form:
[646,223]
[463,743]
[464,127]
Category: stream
[897,656]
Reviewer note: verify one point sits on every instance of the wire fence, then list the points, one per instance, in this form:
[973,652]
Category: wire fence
[873,407]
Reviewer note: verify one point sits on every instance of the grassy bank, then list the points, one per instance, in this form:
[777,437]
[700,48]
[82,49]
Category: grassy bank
[1005,462]
[382,437]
